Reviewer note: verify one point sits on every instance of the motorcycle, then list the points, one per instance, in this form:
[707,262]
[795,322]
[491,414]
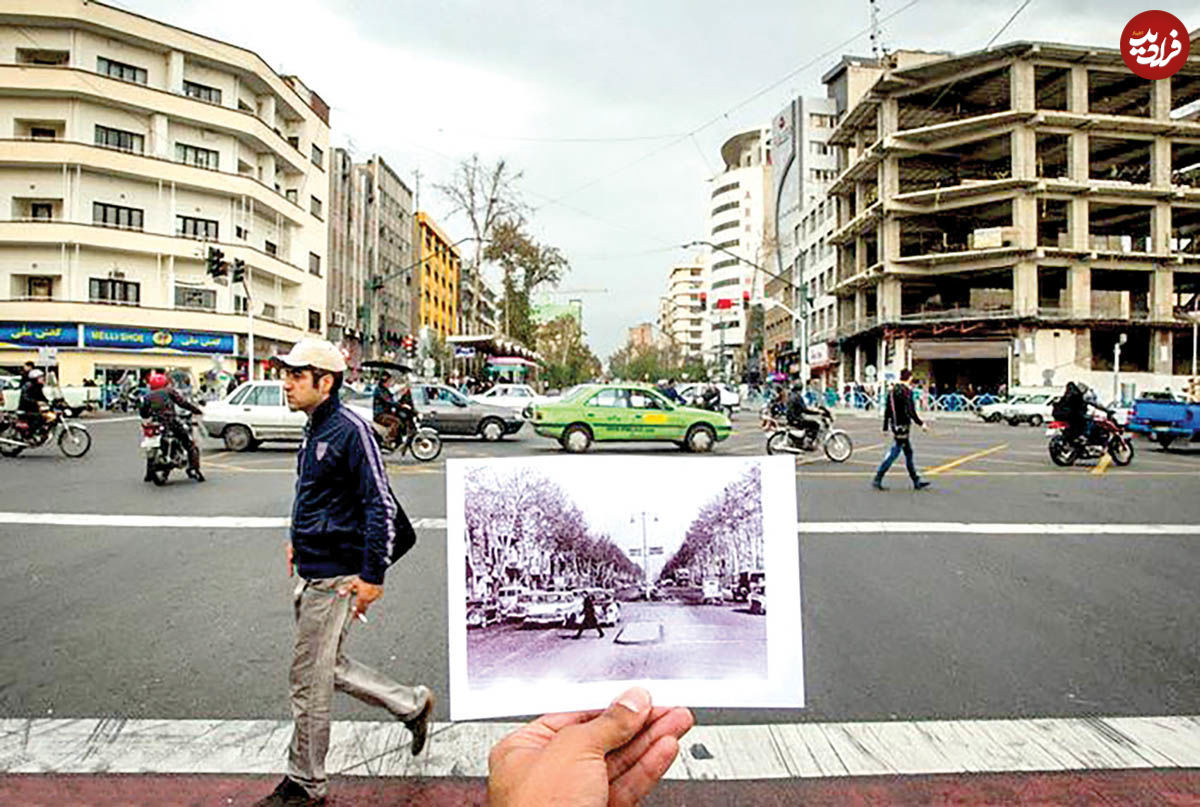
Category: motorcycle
[424,442]
[1105,437]
[16,435]
[163,449]
[836,443]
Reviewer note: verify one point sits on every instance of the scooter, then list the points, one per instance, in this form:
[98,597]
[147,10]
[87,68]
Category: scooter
[836,443]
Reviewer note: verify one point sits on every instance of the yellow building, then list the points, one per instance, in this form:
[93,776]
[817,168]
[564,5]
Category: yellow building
[438,268]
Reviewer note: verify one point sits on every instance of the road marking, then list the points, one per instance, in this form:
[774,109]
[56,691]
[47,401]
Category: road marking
[763,751]
[99,421]
[961,460]
[194,522]
[1102,465]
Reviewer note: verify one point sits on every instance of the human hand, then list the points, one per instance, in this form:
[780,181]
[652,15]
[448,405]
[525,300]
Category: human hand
[290,555]
[364,594]
[588,759]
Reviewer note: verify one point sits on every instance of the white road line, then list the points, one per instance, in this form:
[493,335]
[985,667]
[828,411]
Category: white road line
[777,751]
[439,523]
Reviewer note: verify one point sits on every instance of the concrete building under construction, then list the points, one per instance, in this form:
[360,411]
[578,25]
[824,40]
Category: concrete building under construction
[1005,216]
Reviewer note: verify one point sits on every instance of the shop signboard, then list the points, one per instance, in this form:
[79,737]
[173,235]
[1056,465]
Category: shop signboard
[38,334]
[157,340]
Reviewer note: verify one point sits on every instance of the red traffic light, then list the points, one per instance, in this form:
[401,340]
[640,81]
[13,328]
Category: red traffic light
[703,300]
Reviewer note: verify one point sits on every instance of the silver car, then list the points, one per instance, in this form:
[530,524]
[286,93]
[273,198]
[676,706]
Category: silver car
[450,412]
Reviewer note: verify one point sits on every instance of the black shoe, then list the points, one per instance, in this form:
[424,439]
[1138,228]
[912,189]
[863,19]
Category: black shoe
[419,726]
[877,484]
[289,794]
[921,484]
[199,477]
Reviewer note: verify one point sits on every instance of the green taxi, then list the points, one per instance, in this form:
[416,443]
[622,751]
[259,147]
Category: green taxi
[626,412]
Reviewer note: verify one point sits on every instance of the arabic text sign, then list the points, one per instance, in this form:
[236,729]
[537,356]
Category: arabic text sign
[157,340]
[1155,44]
[38,334]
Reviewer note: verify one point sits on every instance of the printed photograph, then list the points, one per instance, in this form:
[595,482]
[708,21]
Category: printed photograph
[617,569]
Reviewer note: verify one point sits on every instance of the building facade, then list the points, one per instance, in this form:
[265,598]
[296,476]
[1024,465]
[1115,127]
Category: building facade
[1011,216]
[436,294]
[131,148]
[740,226]
[681,319]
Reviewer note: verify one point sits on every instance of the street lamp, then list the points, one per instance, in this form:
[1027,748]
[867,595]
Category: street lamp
[645,549]
[1122,339]
[1194,316]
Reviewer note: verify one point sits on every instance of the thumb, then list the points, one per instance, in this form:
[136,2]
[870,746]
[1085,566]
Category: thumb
[620,723]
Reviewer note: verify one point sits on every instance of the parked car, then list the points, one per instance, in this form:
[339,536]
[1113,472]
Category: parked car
[747,581]
[758,600]
[619,412]
[1034,410]
[507,598]
[514,397]
[551,609]
[711,591]
[481,613]
[254,413]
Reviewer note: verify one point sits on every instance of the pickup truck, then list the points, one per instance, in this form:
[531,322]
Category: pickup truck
[79,399]
[1166,421]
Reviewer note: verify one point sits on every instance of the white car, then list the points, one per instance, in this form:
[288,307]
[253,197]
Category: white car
[1034,410]
[516,397]
[255,412]
[994,412]
[551,608]
[731,399]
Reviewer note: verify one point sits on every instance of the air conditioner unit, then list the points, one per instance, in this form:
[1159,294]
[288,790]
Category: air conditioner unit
[339,318]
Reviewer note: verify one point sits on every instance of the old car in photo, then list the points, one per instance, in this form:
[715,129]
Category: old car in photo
[481,613]
[746,583]
[608,610]
[628,413]
[548,609]
[758,600]
[507,599]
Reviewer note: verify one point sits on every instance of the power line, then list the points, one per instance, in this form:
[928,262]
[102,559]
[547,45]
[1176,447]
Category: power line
[1004,27]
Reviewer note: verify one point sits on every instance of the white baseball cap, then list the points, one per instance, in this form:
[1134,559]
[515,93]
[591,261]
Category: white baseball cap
[320,354]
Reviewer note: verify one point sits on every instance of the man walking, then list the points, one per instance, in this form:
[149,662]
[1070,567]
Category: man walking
[589,622]
[899,414]
[342,536]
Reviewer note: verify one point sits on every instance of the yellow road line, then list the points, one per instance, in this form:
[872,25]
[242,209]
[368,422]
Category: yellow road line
[1102,465]
[961,460]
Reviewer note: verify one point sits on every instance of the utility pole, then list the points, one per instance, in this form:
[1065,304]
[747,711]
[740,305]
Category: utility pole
[249,327]
[1117,368]
[645,547]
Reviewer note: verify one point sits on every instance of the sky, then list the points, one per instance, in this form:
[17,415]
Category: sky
[614,112]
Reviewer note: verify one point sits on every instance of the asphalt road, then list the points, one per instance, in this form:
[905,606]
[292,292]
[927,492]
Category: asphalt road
[195,623]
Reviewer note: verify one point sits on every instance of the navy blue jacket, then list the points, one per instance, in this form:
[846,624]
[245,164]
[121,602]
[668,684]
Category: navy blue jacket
[343,519]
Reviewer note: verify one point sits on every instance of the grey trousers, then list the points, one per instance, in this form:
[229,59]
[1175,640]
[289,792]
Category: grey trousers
[319,665]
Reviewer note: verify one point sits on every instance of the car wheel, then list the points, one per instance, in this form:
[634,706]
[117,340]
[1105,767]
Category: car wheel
[1164,441]
[491,429]
[701,438]
[1036,421]
[993,418]
[237,438]
[1013,422]
[576,439]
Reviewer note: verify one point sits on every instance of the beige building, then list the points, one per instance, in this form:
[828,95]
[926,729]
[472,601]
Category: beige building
[132,147]
[1008,216]
[680,318]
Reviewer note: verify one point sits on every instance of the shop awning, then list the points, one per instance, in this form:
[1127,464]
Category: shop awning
[510,361]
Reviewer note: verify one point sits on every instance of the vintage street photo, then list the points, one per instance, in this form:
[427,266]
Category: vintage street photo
[570,579]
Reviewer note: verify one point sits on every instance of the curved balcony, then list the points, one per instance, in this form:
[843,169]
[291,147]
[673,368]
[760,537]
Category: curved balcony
[42,232]
[115,162]
[71,82]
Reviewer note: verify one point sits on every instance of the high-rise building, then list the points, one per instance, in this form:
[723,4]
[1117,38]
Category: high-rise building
[136,147]
[740,226]
[436,290]
[681,319]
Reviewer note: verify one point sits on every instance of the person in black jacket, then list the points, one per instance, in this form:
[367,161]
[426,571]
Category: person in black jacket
[32,404]
[590,621]
[160,405]
[899,413]
[342,537]
[800,415]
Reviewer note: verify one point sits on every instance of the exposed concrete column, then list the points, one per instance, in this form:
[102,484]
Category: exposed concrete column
[1160,99]
[860,307]
[889,117]
[1160,162]
[1078,156]
[1025,219]
[889,240]
[1077,90]
[1162,348]
[1162,295]
[860,255]
[860,196]
[1160,227]
[160,140]
[899,354]
[889,178]
[1079,290]
[1025,288]
[175,72]
[1024,153]
[888,299]
[1077,224]
[1021,89]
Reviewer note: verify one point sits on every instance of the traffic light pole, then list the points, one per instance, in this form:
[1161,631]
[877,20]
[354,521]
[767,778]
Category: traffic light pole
[249,327]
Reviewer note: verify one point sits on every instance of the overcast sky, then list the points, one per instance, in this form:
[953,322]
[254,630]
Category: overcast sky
[614,110]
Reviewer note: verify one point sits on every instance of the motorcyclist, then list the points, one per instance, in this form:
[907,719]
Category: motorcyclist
[383,405]
[1074,407]
[159,406]
[33,403]
[800,415]
[710,398]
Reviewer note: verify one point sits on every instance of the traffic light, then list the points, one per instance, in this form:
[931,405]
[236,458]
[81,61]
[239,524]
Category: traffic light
[239,271]
[215,264]
[409,344]
[703,301]
[745,299]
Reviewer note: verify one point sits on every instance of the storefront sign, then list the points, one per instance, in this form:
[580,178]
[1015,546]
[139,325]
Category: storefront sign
[157,340]
[38,334]
[464,352]
[818,354]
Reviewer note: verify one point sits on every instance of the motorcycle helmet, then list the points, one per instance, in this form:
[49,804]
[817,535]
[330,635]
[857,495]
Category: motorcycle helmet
[156,381]
[35,375]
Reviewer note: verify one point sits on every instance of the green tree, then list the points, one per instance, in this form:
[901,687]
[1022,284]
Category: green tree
[568,359]
[527,265]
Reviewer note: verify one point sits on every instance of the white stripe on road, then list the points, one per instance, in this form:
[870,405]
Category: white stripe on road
[777,751]
[438,523]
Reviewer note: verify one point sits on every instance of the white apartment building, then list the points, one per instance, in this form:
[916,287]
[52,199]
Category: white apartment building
[131,147]
[680,317]
[740,225]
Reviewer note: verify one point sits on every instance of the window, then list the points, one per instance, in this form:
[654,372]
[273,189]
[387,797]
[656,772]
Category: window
[817,147]
[127,218]
[192,227]
[728,244]
[104,290]
[240,232]
[203,299]
[643,400]
[42,211]
[268,311]
[239,304]
[270,248]
[292,196]
[46,58]
[294,142]
[263,395]
[314,321]
[611,398]
[822,174]
[40,288]
[725,226]
[725,263]
[727,206]
[318,156]
[200,157]
[120,139]
[42,133]
[732,186]
[120,70]
[204,93]
[729,281]
[314,264]
[241,394]
[819,121]
[315,206]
